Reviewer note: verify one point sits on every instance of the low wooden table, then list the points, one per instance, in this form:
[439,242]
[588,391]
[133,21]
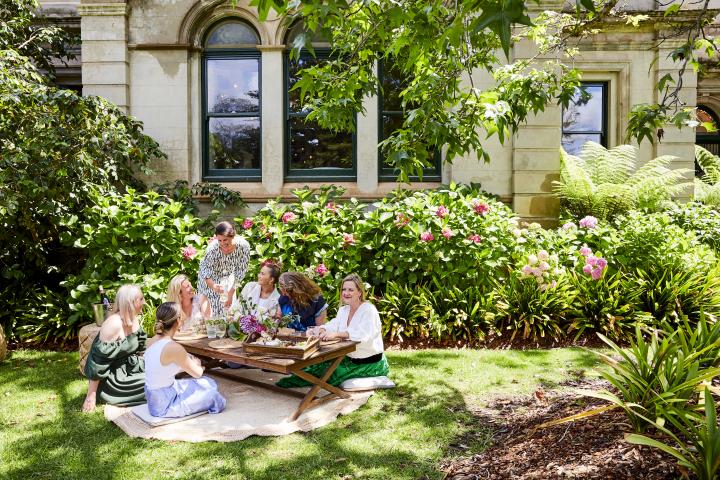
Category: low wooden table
[334,351]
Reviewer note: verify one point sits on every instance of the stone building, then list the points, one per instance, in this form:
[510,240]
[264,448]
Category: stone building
[210,82]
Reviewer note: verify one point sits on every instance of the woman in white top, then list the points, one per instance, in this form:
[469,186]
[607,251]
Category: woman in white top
[166,396]
[357,320]
[194,307]
[262,294]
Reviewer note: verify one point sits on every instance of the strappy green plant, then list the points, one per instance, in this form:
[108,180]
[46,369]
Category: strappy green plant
[605,182]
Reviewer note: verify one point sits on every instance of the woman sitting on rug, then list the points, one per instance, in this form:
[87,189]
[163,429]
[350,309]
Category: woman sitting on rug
[194,307]
[167,397]
[115,372]
[357,320]
[263,294]
[301,297]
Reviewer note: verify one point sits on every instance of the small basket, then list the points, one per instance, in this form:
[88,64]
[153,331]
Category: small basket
[86,337]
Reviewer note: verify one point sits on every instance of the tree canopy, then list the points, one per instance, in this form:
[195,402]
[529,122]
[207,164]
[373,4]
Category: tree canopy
[438,45]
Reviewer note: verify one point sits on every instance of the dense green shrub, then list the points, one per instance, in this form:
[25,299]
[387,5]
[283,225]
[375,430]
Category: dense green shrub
[131,238]
[702,220]
[405,312]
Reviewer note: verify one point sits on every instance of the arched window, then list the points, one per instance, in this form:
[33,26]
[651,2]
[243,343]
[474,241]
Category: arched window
[312,152]
[231,102]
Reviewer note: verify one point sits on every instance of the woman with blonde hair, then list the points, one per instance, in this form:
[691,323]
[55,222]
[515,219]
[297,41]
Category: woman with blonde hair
[357,320]
[301,297]
[164,358]
[194,307]
[115,372]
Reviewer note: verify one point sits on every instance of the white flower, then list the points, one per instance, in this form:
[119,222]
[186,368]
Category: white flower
[543,255]
[544,266]
[554,258]
[532,259]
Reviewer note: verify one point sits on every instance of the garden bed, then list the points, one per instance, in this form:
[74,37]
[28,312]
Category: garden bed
[592,448]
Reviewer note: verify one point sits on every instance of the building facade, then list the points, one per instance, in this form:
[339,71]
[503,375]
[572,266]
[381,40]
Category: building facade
[210,83]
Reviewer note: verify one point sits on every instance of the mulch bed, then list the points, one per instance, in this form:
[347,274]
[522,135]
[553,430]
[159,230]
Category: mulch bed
[591,448]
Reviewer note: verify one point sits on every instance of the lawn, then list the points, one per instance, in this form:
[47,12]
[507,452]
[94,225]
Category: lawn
[400,433]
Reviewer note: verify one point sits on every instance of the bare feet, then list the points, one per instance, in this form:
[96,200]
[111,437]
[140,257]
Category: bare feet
[89,404]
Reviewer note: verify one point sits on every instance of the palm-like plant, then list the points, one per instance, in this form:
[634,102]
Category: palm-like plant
[605,182]
[707,188]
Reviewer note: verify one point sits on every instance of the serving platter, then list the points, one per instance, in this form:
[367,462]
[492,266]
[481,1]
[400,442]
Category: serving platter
[298,346]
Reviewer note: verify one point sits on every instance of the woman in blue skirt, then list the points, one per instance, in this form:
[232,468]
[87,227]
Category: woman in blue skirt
[164,358]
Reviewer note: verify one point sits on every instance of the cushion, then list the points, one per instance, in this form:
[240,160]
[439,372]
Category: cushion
[142,412]
[367,383]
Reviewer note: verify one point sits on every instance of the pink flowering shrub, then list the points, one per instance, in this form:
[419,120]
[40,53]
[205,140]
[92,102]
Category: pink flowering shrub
[321,270]
[189,252]
[247,224]
[588,222]
[442,212]
[288,217]
[426,237]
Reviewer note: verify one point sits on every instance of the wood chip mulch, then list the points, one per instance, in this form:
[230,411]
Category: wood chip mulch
[591,448]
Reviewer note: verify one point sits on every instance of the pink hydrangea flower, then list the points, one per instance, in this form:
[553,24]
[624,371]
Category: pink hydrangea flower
[348,239]
[332,207]
[588,222]
[288,217]
[601,262]
[543,255]
[568,226]
[447,233]
[526,270]
[544,266]
[427,237]
[588,269]
[189,252]
[537,272]
[481,208]
[247,223]
[591,260]
[475,238]
[321,270]
[442,211]
[585,251]
[596,273]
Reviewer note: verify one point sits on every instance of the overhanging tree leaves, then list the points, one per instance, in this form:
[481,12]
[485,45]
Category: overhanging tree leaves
[438,45]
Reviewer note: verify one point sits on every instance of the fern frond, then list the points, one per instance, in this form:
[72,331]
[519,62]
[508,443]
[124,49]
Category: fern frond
[608,166]
[707,194]
[709,163]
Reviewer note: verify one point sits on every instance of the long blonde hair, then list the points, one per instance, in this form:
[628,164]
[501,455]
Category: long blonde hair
[125,303]
[354,278]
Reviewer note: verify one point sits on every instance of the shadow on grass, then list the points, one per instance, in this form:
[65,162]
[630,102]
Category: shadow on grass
[401,433]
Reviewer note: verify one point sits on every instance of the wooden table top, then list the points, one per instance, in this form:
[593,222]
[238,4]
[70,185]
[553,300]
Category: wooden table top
[268,362]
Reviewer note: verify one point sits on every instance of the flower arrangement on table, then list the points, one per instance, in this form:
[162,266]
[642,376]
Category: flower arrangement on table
[248,322]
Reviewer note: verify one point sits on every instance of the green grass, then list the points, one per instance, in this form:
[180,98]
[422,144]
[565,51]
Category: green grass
[400,433]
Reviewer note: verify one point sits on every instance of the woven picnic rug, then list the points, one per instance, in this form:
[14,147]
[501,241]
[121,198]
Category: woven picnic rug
[250,411]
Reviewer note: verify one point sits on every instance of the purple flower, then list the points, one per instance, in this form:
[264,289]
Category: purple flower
[588,222]
[447,233]
[591,260]
[427,237]
[288,217]
[596,273]
[247,223]
[585,251]
[588,269]
[250,324]
[189,252]
[601,262]
[321,270]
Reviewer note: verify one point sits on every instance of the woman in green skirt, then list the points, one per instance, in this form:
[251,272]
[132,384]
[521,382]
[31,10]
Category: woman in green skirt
[357,320]
[115,372]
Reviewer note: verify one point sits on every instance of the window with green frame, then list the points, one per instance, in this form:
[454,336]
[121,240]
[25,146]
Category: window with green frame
[586,117]
[391,118]
[231,103]
[312,152]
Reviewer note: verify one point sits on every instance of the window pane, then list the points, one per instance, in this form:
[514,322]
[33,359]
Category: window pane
[294,66]
[232,34]
[392,85]
[585,115]
[232,86]
[312,147]
[234,143]
[572,143]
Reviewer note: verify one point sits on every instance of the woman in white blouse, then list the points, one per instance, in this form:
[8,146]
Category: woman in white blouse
[263,294]
[357,320]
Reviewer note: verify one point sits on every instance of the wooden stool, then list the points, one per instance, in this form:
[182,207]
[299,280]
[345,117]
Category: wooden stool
[86,336]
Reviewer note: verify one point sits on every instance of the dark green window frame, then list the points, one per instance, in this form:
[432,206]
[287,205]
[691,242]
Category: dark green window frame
[235,174]
[386,173]
[603,132]
[318,175]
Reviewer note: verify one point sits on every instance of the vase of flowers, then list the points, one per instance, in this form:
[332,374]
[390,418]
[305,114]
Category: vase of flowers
[248,322]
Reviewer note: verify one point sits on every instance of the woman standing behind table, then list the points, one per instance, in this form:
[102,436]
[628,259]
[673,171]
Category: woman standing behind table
[301,297]
[359,321]
[115,372]
[263,294]
[225,256]
[194,307]
[167,397]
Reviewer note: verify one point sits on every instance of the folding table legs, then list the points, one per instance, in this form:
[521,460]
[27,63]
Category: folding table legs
[318,383]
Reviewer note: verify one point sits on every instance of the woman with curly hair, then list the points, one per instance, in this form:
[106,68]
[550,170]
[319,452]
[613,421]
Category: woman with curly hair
[301,297]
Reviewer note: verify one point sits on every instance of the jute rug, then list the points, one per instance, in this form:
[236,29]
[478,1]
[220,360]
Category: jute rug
[250,411]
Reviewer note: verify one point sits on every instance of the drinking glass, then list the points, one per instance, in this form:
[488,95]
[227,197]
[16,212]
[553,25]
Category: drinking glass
[220,329]
[211,330]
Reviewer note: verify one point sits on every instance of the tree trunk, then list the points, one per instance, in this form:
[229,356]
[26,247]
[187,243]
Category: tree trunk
[3,345]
